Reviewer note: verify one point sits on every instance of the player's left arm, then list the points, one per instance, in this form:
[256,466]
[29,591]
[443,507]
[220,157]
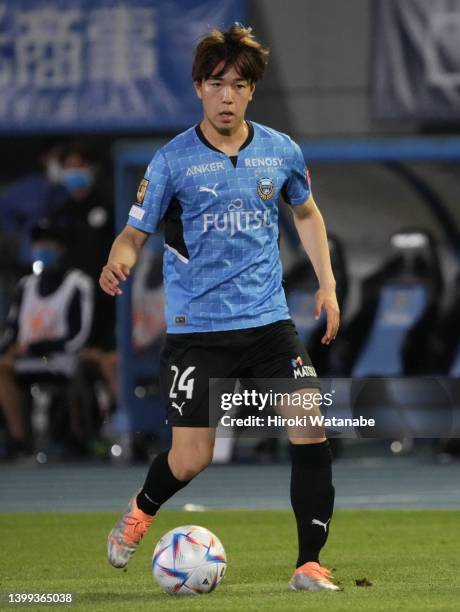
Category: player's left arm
[310,226]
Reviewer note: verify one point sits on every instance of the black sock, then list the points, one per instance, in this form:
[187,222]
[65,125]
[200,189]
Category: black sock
[159,486]
[312,497]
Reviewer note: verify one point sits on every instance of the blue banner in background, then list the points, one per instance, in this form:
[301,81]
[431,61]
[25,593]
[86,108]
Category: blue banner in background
[416,60]
[102,64]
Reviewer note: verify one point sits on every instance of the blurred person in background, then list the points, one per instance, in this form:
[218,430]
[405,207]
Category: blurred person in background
[37,195]
[90,222]
[89,219]
[48,323]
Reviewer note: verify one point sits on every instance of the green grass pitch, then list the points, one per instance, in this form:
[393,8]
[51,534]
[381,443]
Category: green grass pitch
[410,557]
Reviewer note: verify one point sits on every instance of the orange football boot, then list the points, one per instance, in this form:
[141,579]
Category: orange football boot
[312,577]
[127,534]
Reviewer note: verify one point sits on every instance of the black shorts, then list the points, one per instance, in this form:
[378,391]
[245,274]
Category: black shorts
[188,361]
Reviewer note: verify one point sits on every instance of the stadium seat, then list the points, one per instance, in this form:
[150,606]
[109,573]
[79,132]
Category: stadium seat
[445,350]
[389,334]
[445,337]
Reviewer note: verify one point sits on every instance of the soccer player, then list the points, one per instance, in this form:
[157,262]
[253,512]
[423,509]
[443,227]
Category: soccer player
[217,188]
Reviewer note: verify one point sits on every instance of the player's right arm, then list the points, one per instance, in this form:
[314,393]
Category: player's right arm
[123,256]
[152,200]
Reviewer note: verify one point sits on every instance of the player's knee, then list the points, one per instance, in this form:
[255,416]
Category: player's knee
[187,470]
[185,465]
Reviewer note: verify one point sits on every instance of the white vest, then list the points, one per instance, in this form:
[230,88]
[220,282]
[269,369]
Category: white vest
[44,318]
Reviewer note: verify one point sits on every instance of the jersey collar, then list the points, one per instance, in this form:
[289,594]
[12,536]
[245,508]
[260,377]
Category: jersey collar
[206,142]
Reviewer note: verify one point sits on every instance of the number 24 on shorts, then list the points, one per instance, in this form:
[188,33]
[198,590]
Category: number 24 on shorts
[183,384]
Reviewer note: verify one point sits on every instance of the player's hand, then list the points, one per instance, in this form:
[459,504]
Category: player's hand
[327,300]
[111,275]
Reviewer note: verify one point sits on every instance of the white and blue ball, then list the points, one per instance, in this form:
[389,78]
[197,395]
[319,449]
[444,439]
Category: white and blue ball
[189,560]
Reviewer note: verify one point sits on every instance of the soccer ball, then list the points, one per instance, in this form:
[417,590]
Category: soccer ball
[189,560]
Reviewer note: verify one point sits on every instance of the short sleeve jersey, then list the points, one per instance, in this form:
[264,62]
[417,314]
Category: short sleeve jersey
[222,267]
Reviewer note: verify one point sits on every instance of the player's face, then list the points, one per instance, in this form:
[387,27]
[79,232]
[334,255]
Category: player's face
[225,99]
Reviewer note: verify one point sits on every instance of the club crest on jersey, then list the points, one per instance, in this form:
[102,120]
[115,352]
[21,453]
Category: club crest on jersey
[265,188]
[140,195]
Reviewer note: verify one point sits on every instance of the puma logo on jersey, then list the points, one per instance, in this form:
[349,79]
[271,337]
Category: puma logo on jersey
[320,524]
[179,408]
[205,189]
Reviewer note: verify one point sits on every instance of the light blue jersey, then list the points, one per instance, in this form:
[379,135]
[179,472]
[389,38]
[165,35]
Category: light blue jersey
[222,267]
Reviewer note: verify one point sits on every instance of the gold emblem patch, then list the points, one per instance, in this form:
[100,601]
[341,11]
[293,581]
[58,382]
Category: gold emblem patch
[141,191]
[265,188]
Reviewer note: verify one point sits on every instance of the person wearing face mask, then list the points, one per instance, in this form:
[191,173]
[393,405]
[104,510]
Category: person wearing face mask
[36,195]
[48,323]
[89,219]
[88,216]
